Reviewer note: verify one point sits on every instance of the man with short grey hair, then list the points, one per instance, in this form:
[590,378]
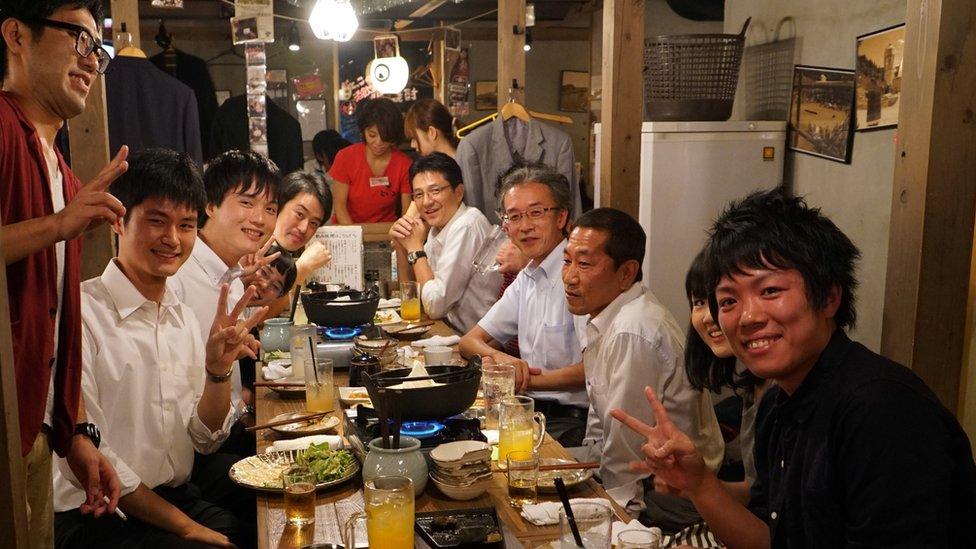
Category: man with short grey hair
[536,214]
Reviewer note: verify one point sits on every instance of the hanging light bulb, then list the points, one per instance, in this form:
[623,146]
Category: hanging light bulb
[321,19]
[344,22]
[294,40]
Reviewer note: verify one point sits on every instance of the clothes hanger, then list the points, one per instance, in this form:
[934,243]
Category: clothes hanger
[128,50]
[513,108]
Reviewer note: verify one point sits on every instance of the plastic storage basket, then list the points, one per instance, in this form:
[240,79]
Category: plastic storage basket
[692,76]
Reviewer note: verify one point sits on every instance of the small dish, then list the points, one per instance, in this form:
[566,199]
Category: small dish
[351,396]
[453,453]
[385,317]
[315,426]
[462,493]
[409,335]
[571,477]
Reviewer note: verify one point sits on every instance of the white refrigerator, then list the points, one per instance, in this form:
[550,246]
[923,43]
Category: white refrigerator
[689,172]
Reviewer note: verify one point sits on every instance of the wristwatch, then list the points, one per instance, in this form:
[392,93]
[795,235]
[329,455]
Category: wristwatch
[412,257]
[89,430]
[219,378]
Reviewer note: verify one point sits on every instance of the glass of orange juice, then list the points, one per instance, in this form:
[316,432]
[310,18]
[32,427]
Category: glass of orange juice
[389,514]
[520,427]
[319,389]
[409,301]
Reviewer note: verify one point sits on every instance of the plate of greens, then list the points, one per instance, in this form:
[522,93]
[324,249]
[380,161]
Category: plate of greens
[263,471]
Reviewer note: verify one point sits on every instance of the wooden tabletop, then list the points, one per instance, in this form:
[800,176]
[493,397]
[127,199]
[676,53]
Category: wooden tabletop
[270,404]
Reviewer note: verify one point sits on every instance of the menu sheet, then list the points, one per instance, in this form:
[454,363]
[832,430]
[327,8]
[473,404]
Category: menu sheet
[346,245]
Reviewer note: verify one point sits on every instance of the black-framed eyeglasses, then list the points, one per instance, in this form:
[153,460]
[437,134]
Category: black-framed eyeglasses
[533,214]
[85,43]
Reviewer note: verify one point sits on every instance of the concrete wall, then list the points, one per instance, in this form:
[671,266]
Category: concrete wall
[856,196]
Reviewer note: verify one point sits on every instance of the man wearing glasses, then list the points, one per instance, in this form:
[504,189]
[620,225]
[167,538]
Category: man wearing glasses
[536,214]
[443,265]
[49,57]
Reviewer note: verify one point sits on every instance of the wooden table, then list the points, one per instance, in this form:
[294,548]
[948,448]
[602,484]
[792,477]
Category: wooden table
[269,404]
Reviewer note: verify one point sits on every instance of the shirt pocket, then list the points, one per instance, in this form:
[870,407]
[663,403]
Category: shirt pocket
[560,345]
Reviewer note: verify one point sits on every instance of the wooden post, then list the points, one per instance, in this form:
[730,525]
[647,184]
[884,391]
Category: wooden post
[126,11]
[88,134]
[511,55]
[13,508]
[335,85]
[934,197]
[438,66]
[622,104]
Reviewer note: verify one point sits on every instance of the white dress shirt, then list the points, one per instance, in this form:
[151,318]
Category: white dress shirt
[631,344]
[458,293]
[534,309]
[142,377]
[197,286]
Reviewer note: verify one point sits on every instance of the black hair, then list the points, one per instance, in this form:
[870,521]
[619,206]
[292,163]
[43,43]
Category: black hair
[425,113]
[285,264]
[159,173]
[32,11]
[328,143]
[625,237]
[772,229]
[382,113]
[439,163]
[703,368]
[239,170]
[296,183]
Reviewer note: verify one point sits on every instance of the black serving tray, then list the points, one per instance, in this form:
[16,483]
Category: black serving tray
[460,528]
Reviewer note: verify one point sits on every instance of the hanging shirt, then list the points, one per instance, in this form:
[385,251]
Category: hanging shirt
[534,309]
[372,198]
[142,378]
[458,292]
[634,343]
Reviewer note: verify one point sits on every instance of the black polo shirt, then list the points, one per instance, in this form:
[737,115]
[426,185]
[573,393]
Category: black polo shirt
[862,454]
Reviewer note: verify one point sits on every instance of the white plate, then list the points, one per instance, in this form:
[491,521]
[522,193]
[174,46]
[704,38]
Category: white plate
[315,426]
[384,317]
[351,396]
[571,477]
[263,471]
[460,451]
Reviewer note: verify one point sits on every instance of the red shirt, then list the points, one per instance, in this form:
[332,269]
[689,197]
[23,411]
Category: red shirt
[372,199]
[25,193]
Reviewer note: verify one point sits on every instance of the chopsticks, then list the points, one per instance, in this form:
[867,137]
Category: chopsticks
[279,383]
[281,422]
[562,467]
[410,327]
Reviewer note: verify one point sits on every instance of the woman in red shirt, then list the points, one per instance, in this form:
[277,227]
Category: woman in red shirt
[372,182]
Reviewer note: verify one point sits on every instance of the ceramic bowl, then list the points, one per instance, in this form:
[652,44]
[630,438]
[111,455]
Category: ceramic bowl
[462,493]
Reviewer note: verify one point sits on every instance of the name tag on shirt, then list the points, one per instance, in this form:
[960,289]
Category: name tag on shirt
[379,181]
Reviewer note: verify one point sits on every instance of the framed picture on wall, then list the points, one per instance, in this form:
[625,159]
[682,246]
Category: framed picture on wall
[879,66]
[821,112]
[485,95]
[574,91]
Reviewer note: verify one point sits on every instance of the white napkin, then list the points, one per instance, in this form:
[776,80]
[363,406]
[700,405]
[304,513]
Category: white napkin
[304,442]
[634,524]
[491,435]
[389,303]
[446,341]
[277,369]
[547,512]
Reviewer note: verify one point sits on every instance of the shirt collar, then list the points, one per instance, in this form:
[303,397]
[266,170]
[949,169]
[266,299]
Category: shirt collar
[209,261]
[602,321]
[440,235]
[801,404]
[548,265]
[127,298]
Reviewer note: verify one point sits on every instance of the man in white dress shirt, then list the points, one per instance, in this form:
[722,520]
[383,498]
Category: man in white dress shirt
[630,342]
[537,205]
[442,262]
[157,389]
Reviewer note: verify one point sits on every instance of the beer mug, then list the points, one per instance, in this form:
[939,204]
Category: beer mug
[389,514]
[517,426]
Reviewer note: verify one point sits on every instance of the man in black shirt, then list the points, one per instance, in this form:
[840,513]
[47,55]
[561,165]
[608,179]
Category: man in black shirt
[851,448]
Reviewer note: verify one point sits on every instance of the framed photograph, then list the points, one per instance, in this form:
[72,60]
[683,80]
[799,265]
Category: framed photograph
[574,91]
[386,46]
[879,65]
[245,29]
[277,80]
[485,95]
[257,80]
[821,114]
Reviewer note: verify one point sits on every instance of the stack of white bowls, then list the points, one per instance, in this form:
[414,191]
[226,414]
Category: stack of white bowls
[462,469]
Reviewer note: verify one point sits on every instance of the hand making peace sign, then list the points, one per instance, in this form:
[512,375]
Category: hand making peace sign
[93,203]
[230,337]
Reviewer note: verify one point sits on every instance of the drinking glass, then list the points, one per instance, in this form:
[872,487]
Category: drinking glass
[594,521]
[299,483]
[484,260]
[302,343]
[497,382]
[409,301]
[639,539]
[523,478]
[389,514]
[319,389]
[517,426]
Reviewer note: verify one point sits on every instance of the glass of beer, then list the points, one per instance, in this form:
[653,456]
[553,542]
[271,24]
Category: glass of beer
[319,390]
[520,427]
[497,382]
[389,514]
[409,301]
[523,478]
[299,483]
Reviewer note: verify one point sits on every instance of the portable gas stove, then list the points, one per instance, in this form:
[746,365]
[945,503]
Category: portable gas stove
[338,344]
[365,427]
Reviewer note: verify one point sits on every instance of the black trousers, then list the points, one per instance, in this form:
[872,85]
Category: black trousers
[566,424]
[72,529]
